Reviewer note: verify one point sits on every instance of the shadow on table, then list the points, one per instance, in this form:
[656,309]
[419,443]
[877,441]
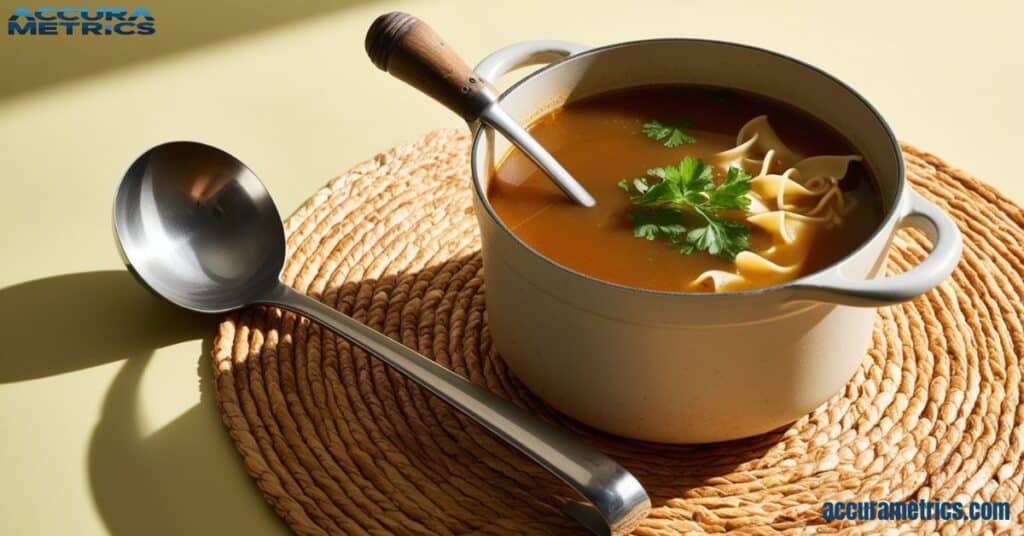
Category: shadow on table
[184,478]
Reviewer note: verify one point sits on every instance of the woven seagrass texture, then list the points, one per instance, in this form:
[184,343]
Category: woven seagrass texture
[340,444]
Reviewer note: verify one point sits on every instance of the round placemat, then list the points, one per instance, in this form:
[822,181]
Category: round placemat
[340,444]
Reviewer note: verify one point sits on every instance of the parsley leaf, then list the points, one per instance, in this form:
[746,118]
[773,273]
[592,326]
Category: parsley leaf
[732,193]
[669,135]
[722,237]
[654,222]
[686,193]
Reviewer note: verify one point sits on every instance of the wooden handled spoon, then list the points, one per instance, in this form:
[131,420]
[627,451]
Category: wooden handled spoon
[411,51]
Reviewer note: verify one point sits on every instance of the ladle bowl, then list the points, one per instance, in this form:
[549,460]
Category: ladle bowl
[197,226]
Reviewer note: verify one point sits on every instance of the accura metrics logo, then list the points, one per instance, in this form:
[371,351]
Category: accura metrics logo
[81,21]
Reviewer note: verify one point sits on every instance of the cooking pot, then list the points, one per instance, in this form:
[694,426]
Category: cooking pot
[683,367]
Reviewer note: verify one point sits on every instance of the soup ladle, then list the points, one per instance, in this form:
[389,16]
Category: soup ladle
[197,227]
[410,50]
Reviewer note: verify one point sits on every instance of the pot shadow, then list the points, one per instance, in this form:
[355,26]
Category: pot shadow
[184,478]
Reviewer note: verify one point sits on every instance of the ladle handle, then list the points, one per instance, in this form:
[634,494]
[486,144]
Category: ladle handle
[616,500]
[411,51]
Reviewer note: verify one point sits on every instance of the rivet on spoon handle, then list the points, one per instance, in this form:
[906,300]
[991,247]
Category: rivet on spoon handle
[411,51]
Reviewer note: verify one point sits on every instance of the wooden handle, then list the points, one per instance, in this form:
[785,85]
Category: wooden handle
[411,51]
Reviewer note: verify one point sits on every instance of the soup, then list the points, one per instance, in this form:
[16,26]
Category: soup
[698,189]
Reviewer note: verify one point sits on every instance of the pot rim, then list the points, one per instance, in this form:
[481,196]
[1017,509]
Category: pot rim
[891,215]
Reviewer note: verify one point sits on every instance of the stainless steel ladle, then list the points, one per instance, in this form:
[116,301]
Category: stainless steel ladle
[196,226]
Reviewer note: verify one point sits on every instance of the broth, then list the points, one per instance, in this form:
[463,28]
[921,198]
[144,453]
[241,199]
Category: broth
[600,141]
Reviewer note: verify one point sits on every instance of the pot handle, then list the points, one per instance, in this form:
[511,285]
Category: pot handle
[921,214]
[526,53]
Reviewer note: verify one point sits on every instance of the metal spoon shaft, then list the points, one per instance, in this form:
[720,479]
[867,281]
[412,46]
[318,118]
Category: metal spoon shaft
[495,117]
[616,496]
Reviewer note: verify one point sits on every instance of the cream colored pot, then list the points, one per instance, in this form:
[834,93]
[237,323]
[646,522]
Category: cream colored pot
[686,367]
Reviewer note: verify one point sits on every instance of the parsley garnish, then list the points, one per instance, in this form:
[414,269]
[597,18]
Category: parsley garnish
[684,208]
[669,135]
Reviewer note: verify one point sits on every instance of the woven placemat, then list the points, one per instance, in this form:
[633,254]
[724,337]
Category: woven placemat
[340,444]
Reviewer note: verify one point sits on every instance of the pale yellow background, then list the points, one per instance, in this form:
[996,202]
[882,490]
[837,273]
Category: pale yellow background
[107,418]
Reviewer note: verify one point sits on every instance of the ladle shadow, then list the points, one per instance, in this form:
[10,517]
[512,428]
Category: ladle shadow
[75,321]
[185,477]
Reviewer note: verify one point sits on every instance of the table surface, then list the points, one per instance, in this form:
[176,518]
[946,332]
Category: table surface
[109,420]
